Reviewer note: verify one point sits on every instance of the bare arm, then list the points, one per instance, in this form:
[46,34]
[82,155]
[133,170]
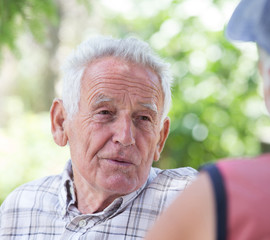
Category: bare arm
[191,216]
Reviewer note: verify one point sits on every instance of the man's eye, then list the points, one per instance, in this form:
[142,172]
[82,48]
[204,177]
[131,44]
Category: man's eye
[145,118]
[104,115]
[104,112]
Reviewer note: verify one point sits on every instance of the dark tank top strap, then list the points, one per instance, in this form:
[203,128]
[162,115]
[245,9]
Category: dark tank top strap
[220,199]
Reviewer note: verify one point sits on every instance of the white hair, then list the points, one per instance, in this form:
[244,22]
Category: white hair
[129,49]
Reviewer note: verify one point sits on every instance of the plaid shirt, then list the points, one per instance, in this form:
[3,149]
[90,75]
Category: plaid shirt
[45,208]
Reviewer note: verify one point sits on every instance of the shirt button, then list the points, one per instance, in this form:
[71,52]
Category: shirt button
[82,223]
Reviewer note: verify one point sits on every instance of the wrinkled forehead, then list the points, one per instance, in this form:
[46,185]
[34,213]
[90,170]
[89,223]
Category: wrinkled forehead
[110,76]
[116,64]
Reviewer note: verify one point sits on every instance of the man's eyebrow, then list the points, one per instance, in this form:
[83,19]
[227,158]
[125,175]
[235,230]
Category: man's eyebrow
[101,99]
[150,106]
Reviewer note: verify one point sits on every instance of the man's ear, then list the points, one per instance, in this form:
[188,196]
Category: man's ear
[163,134]
[58,118]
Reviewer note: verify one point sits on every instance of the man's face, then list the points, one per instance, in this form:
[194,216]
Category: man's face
[116,134]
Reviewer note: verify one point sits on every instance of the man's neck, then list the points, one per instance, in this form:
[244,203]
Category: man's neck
[89,200]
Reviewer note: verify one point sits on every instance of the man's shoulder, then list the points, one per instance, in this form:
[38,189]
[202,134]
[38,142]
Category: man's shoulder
[171,179]
[48,183]
[176,174]
[163,186]
[45,188]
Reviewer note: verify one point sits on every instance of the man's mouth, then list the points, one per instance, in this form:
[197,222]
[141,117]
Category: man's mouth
[119,161]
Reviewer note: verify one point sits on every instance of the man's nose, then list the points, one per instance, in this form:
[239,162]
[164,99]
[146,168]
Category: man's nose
[124,131]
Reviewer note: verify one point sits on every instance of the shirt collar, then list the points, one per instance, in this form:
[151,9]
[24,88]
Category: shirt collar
[66,191]
[67,197]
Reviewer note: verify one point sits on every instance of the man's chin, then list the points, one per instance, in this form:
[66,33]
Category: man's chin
[120,184]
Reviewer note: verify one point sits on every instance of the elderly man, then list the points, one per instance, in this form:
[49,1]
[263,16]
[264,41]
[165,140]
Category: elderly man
[113,115]
[229,200]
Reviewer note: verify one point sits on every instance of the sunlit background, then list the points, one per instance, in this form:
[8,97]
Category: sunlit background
[218,108]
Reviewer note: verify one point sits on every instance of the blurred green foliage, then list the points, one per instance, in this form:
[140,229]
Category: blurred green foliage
[217,106]
[17,15]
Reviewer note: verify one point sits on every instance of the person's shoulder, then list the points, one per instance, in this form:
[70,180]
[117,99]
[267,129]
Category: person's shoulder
[163,186]
[43,188]
[172,179]
[176,173]
[245,164]
[47,183]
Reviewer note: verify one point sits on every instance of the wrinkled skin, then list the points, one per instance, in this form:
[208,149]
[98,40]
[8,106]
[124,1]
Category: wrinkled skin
[117,132]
